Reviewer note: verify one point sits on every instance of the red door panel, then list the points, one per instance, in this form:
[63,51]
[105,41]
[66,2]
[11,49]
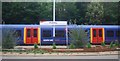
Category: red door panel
[100,37]
[31,35]
[97,35]
[94,36]
[35,35]
[28,36]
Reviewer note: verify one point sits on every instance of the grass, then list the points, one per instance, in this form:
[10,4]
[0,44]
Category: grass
[35,51]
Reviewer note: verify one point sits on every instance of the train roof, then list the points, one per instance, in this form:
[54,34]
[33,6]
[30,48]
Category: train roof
[69,26]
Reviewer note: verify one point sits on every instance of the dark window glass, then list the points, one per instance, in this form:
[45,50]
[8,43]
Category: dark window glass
[100,33]
[94,33]
[18,33]
[59,33]
[46,33]
[118,33]
[110,33]
[35,32]
[28,33]
[86,30]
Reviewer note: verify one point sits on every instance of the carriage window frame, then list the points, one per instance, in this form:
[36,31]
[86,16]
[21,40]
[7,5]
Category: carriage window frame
[59,34]
[110,33]
[46,35]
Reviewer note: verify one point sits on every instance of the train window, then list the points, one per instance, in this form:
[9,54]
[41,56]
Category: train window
[35,32]
[59,33]
[110,33]
[100,32]
[18,33]
[28,33]
[46,33]
[94,33]
[118,33]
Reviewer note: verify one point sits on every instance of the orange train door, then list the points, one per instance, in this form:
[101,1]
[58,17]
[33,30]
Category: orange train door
[32,35]
[97,35]
[28,36]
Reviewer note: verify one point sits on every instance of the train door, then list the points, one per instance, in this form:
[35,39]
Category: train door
[97,35]
[28,35]
[32,35]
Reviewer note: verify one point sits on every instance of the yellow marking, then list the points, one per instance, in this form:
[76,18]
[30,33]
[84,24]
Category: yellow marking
[38,35]
[91,34]
[103,35]
[25,35]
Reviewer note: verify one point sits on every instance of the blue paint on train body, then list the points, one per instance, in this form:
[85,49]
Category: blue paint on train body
[46,39]
[19,39]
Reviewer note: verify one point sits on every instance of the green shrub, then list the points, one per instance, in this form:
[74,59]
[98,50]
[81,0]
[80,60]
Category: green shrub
[111,44]
[78,37]
[88,45]
[35,46]
[72,46]
[103,43]
[116,43]
[54,46]
[8,38]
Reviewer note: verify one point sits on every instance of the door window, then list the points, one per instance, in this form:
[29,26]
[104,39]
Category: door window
[94,33]
[28,32]
[100,32]
[35,32]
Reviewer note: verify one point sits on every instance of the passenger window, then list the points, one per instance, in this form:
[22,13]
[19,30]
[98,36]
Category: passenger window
[59,33]
[118,33]
[18,33]
[28,33]
[94,33]
[110,33]
[46,33]
[35,32]
[100,32]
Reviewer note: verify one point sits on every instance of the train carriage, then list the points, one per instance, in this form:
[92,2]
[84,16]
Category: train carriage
[47,35]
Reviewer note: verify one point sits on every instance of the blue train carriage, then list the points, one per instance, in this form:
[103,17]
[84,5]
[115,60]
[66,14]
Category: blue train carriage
[44,35]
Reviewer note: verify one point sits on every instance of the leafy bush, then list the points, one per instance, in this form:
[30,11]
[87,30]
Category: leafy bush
[117,43]
[72,46]
[35,46]
[103,43]
[54,46]
[8,38]
[78,37]
[111,44]
[88,45]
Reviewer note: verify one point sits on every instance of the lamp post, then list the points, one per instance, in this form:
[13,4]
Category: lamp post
[53,20]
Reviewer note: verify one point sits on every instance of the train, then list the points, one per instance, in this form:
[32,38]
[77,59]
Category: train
[48,34]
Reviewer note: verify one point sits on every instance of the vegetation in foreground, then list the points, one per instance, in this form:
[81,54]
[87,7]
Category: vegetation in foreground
[8,38]
[78,37]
